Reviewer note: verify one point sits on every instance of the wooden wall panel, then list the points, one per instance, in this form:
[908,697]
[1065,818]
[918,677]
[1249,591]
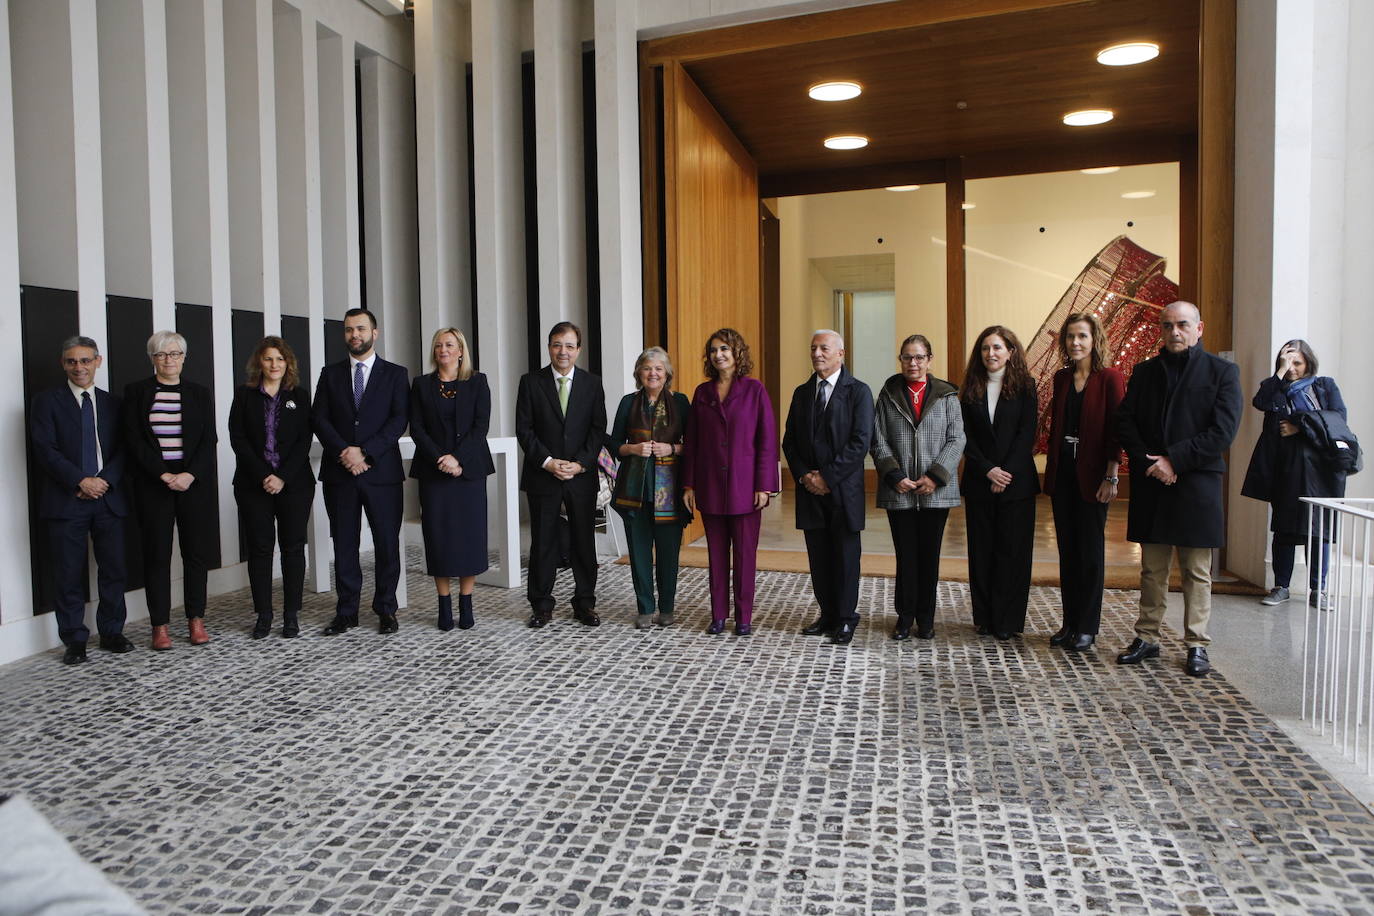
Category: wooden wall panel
[1216,177]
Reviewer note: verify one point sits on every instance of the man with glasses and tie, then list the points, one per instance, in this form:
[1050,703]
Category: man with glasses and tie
[560,420]
[76,444]
[828,434]
[360,412]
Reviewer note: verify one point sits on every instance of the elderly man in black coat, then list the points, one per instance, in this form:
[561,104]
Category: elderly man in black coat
[829,431]
[1179,416]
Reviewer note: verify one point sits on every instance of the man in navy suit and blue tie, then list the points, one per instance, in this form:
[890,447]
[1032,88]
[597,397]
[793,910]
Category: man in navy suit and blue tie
[75,435]
[359,415]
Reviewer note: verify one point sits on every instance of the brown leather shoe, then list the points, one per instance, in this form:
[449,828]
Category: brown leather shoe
[162,640]
[197,627]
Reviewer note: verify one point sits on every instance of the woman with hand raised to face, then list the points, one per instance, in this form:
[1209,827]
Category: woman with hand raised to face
[999,482]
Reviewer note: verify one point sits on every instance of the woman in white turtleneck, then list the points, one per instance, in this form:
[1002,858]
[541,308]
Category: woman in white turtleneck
[1000,480]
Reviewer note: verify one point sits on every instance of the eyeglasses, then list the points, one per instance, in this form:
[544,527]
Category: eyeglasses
[917,358]
[83,361]
[171,355]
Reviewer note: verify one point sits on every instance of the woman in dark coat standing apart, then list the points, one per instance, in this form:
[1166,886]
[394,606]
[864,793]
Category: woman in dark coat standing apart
[1000,481]
[169,429]
[450,412]
[1280,472]
[269,429]
[1080,475]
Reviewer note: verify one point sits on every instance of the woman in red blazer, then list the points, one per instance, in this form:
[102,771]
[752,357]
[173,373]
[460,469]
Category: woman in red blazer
[1080,476]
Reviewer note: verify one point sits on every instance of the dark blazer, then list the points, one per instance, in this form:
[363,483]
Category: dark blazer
[198,435]
[55,431]
[545,433]
[838,451]
[465,440]
[376,426]
[248,436]
[1005,442]
[1097,443]
[1193,425]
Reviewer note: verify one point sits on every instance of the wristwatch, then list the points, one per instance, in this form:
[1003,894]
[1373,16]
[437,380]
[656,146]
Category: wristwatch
[1111,480]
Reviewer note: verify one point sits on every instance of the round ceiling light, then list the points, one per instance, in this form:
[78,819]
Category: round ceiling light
[1138,195]
[1101,170]
[835,91]
[1088,117]
[1127,53]
[904,187]
[846,141]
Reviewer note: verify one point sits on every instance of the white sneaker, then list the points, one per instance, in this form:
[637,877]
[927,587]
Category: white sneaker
[1277,595]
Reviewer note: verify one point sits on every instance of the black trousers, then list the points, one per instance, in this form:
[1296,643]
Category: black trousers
[833,555]
[67,538]
[281,519]
[546,550]
[383,504]
[1078,529]
[1001,534]
[192,514]
[916,536]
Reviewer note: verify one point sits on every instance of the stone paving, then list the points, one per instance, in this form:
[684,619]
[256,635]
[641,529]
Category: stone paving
[609,770]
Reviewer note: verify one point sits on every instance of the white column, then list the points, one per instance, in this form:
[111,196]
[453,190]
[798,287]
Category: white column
[498,186]
[617,181]
[559,172]
[442,47]
[288,152]
[1354,369]
[162,269]
[90,206]
[340,261]
[312,304]
[16,589]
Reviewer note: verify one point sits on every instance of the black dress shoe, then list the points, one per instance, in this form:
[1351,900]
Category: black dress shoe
[587,618]
[1081,641]
[818,627]
[340,624]
[118,643]
[1063,637]
[925,633]
[901,631]
[1002,635]
[262,627]
[1198,662]
[75,654]
[1137,652]
[539,619]
[386,623]
[843,636]
[984,630]
[290,625]
[743,629]
[716,628]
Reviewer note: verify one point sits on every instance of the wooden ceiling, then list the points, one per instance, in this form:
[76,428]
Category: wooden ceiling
[1018,73]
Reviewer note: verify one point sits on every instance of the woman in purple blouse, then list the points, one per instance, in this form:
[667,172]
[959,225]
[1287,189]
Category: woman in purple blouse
[729,471]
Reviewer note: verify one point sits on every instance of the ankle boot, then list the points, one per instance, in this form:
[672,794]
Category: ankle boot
[162,640]
[290,624]
[445,612]
[196,627]
[263,626]
[465,621]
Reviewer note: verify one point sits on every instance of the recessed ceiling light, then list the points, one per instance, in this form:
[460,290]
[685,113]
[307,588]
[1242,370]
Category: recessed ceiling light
[968,206]
[1127,53]
[835,91]
[846,141]
[1087,117]
[1138,195]
[1101,170]
[904,187]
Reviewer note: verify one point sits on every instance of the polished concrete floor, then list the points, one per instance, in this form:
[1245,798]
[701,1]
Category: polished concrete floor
[612,770]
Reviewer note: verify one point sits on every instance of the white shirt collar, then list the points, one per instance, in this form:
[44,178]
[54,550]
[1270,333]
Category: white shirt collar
[372,358]
[78,391]
[557,375]
[831,378]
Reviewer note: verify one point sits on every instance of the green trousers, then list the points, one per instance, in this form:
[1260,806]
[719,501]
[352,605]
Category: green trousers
[647,539]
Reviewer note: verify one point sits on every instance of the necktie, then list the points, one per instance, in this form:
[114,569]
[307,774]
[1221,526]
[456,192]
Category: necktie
[821,399]
[357,385]
[90,465]
[563,394]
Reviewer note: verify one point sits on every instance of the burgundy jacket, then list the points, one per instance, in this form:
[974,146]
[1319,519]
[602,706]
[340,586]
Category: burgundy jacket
[730,451]
[1096,428]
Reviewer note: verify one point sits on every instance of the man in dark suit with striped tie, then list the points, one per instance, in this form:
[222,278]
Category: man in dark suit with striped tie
[560,420]
[360,412]
[74,429]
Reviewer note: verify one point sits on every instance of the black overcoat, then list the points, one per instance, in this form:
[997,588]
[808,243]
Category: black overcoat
[1194,425]
[837,449]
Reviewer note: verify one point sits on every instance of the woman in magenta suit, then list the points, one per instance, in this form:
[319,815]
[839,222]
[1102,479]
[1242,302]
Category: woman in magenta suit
[729,471]
[1080,476]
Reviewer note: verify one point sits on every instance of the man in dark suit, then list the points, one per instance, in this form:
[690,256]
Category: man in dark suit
[1180,413]
[75,433]
[359,414]
[829,431]
[560,420]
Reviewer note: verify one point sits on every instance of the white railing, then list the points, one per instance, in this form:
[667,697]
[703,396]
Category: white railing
[1338,630]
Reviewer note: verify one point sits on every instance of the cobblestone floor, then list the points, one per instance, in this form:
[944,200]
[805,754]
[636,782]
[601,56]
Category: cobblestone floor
[609,770]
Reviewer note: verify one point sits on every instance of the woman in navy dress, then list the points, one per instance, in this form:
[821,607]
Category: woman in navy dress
[450,411]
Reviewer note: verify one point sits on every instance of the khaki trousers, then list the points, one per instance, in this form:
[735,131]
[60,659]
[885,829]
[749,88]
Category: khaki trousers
[1195,565]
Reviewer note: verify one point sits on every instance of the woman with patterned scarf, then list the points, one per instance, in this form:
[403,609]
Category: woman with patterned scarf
[1284,468]
[647,437]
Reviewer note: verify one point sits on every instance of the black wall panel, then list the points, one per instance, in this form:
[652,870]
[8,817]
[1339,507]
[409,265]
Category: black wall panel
[129,324]
[335,350]
[245,331]
[296,332]
[195,324]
